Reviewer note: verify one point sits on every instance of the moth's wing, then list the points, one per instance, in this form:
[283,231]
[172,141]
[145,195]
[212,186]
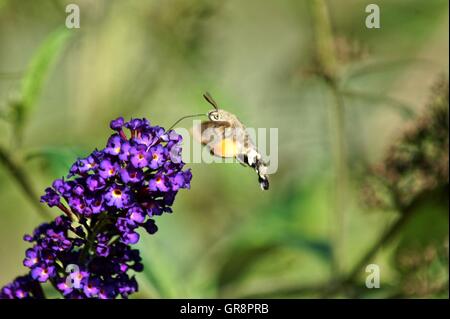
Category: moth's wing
[207,130]
[218,137]
[242,159]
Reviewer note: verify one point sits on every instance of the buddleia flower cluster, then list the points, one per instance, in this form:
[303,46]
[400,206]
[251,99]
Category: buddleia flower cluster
[106,197]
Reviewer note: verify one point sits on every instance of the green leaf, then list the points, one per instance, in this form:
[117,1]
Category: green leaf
[241,260]
[157,272]
[321,248]
[36,74]
[429,225]
[56,160]
[421,256]
[40,65]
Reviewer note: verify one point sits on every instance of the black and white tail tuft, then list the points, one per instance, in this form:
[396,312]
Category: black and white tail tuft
[261,169]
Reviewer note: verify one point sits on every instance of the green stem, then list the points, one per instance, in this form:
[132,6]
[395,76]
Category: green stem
[324,41]
[340,179]
[327,63]
[37,290]
[24,183]
[103,220]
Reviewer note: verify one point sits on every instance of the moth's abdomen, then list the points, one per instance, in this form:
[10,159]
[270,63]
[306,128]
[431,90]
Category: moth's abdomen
[253,159]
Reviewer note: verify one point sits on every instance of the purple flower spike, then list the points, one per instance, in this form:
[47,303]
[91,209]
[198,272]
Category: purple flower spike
[107,197]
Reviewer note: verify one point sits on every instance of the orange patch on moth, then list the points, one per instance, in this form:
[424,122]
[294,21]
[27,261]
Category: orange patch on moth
[226,148]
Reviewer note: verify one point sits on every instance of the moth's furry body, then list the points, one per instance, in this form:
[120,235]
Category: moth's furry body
[226,136]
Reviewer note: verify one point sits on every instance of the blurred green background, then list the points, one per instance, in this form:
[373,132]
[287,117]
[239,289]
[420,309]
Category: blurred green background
[339,93]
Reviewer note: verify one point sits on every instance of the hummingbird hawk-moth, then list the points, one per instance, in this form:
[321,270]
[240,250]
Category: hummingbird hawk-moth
[225,136]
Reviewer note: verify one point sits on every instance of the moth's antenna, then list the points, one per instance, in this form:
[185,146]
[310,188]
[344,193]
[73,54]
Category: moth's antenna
[184,117]
[210,100]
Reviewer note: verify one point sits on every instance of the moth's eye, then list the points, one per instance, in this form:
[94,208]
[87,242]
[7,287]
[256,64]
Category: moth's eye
[214,116]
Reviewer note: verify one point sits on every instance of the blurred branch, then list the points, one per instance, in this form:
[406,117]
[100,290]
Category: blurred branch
[21,178]
[403,108]
[381,66]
